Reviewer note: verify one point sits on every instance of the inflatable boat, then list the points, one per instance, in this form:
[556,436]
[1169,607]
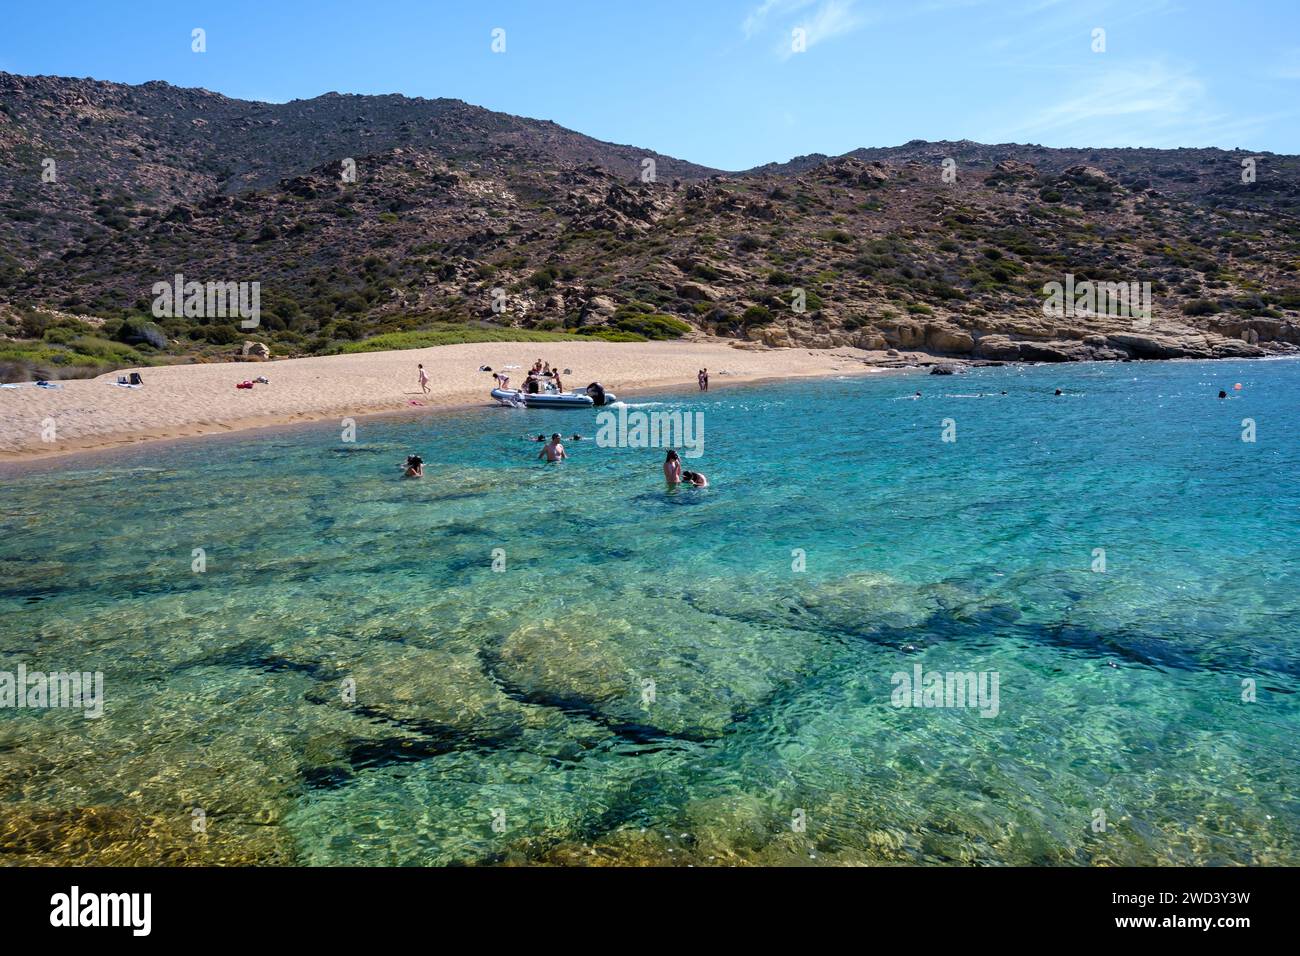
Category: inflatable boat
[594,395]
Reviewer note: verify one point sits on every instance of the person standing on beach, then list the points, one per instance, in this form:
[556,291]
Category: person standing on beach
[704,380]
[424,379]
[553,451]
[672,468]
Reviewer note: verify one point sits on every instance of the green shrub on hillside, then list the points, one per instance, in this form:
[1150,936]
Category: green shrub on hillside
[447,334]
[652,326]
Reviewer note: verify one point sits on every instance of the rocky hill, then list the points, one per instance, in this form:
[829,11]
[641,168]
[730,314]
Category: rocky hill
[460,215]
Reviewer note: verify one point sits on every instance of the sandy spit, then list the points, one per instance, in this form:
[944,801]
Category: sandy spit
[188,400]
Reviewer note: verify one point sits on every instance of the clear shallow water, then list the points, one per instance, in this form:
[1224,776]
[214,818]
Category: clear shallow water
[516,698]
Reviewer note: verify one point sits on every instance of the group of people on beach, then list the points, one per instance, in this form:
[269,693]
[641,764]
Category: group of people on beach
[534,383]
[702,376]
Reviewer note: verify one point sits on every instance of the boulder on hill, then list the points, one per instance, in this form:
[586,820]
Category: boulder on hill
[1090,172]
[141,332]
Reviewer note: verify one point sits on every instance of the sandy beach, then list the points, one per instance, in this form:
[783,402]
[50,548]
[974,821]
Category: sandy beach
[188,400]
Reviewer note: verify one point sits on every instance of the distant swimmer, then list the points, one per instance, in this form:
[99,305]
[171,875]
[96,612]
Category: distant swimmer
[414,467]
[695,478]
[672,468]
[1222,394]
[1058,391]
[553,451]
[538,438]
[575,438]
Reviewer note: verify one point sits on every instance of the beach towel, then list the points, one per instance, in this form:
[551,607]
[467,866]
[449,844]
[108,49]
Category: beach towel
[127,385]
[243,385]
[8,385]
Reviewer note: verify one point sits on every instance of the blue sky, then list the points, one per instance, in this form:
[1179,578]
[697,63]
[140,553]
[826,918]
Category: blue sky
[718,81]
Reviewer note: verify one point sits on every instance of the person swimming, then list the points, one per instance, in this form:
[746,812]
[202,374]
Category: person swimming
[695,478]
[538,438]
[553,451]
[672,467]
[1222,394]
[575,438]
[414,467]
[1058,391]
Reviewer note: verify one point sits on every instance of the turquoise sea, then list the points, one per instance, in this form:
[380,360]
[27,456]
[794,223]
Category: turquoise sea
[693,677]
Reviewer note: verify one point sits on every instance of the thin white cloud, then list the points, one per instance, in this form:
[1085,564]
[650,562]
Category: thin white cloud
[1150,104]
[832,19]
[828,19]
[756,20]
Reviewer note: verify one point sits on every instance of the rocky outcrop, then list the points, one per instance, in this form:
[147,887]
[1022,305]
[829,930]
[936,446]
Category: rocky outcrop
[1054,352]
[948,340]
[698,292]
[599,306]
[904,335]
[998,347]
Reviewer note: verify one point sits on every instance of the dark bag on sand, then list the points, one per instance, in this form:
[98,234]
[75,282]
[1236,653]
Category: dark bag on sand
[136,379]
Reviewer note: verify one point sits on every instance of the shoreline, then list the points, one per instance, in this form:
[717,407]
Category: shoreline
[197,401]
[644,367]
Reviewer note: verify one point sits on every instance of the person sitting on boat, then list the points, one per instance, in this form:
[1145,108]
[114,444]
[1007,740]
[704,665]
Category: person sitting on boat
[530,384]
[554,451]
[414,467]
[695,478]
[672,467]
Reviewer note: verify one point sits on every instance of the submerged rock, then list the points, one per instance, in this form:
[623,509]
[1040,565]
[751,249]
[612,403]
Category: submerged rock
[614,672]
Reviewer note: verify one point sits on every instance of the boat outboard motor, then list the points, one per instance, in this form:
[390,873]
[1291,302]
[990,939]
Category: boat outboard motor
[596,392]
